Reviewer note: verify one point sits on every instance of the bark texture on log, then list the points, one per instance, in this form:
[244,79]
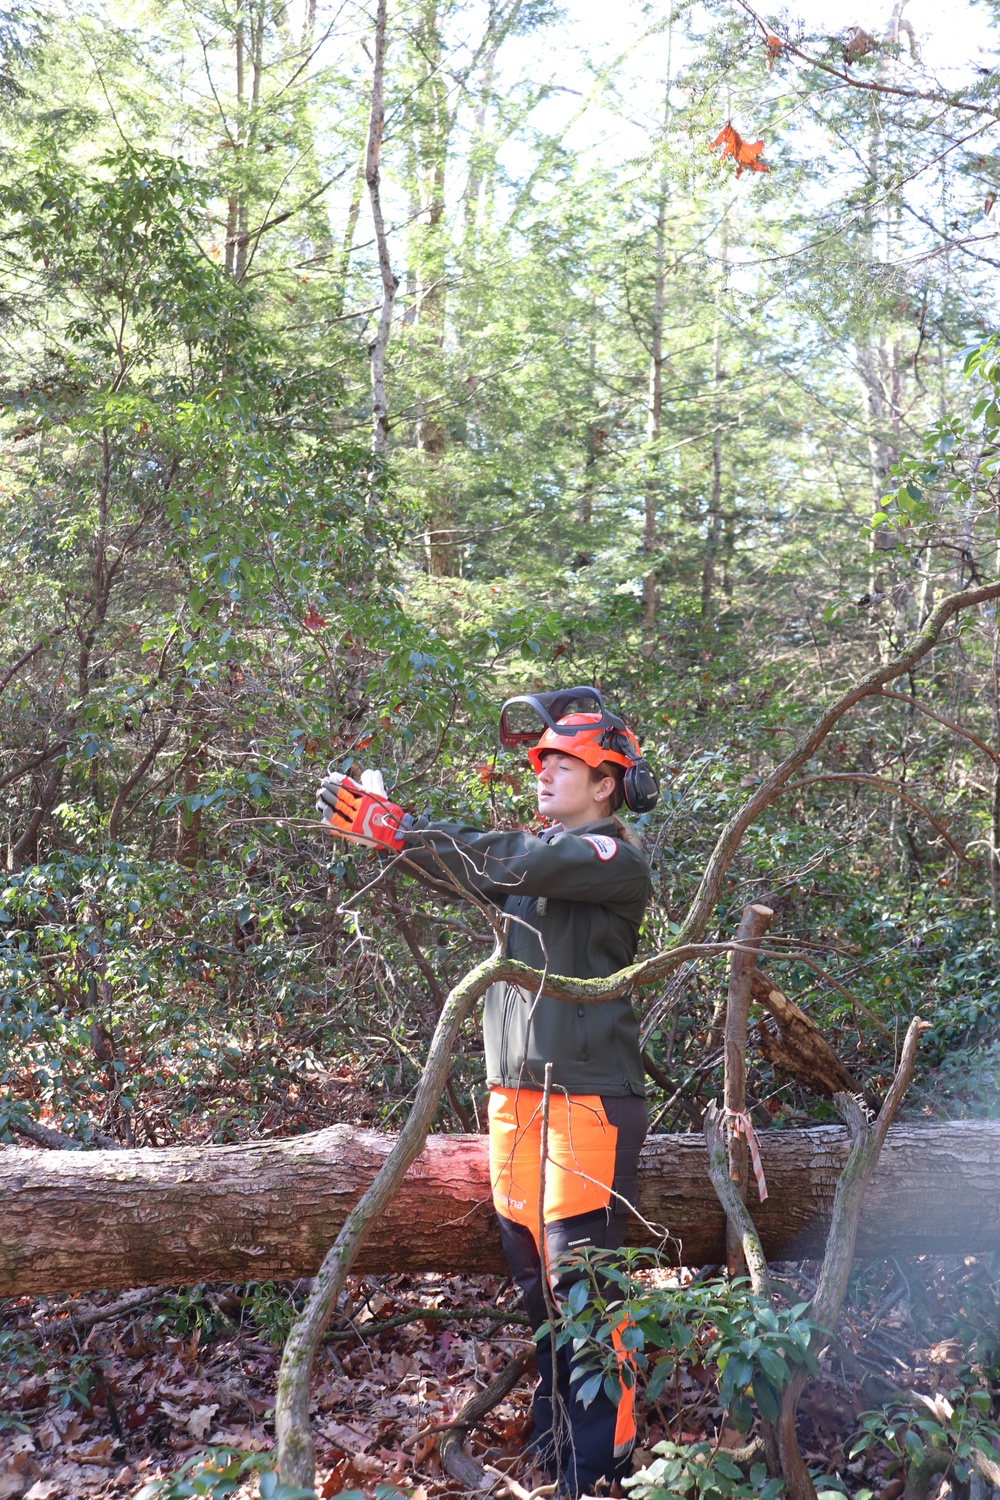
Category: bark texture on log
[75,1221]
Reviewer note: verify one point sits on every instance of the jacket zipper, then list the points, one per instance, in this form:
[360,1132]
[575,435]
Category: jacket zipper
[508,1007]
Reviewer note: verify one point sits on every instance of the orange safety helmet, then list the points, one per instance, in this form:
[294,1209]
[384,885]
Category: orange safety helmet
[589,745]
[572,727]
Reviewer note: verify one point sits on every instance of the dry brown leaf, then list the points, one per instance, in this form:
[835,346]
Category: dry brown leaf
[424,1448]
[858,44]
[57,1428]
[97,1451]
[199,1421]
[67,1482]
[746,154]
[366,1464]
[249,1439]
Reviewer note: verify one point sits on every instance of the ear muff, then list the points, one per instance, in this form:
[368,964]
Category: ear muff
[642,790]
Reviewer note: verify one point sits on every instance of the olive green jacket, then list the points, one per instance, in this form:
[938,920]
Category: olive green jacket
[576,898]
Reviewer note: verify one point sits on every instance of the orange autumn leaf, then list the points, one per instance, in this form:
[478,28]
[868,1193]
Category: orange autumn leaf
[772,46]
[744,153]
[312,619]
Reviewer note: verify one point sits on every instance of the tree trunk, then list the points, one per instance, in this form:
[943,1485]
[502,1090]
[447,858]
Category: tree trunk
[654,422]
[373,151]
[713,534]
[432,135]
[654,416]
[72,1220]
[753,925]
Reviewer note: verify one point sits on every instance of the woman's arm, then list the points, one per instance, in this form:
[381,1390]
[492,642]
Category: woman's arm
[568,866]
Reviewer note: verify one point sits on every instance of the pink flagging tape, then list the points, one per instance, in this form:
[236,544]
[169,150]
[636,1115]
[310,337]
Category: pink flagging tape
[741,1125]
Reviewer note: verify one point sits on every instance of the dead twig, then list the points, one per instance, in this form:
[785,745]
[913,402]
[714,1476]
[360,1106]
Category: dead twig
[435,1315]
[84,1316]
[456,1462]
[518,1490]
[55,1140]
[886,786]
[753,925]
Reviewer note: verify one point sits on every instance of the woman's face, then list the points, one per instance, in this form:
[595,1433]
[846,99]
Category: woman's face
[567,793]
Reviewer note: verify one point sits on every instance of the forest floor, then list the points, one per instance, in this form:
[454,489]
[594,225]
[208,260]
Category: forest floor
[102,1412]
[95,1407]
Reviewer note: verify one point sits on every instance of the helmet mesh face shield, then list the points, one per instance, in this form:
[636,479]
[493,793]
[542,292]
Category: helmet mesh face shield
[577,723]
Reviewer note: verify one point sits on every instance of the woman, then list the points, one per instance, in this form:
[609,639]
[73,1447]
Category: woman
[575,895]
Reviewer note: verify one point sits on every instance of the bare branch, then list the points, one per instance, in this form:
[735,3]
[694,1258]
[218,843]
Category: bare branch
[24,659]
[868,85]
[965,734]
[886,786]
[806,746]
[296,1453]
[753,925]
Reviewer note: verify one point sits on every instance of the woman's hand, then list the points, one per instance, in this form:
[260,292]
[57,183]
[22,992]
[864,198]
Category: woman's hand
[360,810]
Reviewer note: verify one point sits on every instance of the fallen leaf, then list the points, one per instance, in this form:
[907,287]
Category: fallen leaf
[344,1437]
[58,1428]
[67,1482]
[366,1464]
[396,1457]
[133,1417]
[424,1448]
[199,1420]
[249,1439]
[350,1473]
[96,1452]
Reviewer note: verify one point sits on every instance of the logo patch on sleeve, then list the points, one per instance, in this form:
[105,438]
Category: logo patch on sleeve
[606,848]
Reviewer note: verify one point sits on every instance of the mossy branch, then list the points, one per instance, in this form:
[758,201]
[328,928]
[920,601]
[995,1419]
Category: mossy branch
[296,1453]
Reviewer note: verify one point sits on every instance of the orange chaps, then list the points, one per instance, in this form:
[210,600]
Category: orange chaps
[590,1187]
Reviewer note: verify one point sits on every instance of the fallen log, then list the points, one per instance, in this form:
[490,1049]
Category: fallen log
[76,1221]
